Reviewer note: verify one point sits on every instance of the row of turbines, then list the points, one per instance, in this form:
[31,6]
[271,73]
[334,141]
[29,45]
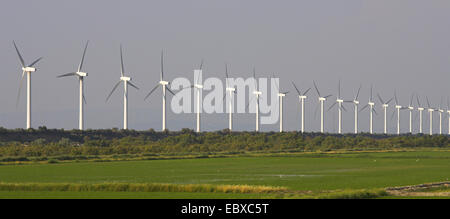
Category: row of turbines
[231,91]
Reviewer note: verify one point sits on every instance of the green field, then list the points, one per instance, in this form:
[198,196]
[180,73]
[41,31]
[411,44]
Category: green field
[314,173]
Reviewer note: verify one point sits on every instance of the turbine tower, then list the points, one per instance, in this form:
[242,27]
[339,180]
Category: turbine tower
[339,102]
[448,111]
[420,109]
[430,110]
[385,105]
[126,80]
[164,87]
[80,76]
[26,69]
[321,102]
[371,105]
[281,95]
[302,98]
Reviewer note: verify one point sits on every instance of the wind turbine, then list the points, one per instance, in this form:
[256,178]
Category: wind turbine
[302,97]
[420,109]
[321,102]
[164,87]
[126,80]
[370,104]
[257,94]
[280,96]
[80,76]
[339,102]
[385,105]
[26,69]
[430,110]
[440,110]
[448,111]
[411,108]
[356,103]
[398,107]
[230,91]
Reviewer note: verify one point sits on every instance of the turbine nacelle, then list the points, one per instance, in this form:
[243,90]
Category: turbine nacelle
[123,78]
[29,69]
[257,92]
[82,74]
[398,106]
[410,108]
[421,109]
[385,105]
[199,86]
[231,89]
[163,82]
[281,94]
[339,100]
[322,98]
[430,110]
[441,111]
[371,104]
[356,102]
[302,97]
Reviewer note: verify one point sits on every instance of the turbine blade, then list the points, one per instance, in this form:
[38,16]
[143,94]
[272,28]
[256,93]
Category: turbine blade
[375,111]
[331,106]
[296,89]
[151,91]
[389,100]
[20,56]
[112,91]
[68,74]
[328,96]
[161,75]
[84,99]
[306,91]
[381,99]
[201,65]
[339,89]
[357,93]
[82,58]
[343,107]
[418,102]
[131,84]
[395,96]
[168,89]
[317,89]
[371,92]
[364,108]
[411,101]
[122,69]
[20,89]
[428,102]
[33,63]
[393,113]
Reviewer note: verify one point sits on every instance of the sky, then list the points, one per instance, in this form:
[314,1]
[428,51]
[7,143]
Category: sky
[401,45]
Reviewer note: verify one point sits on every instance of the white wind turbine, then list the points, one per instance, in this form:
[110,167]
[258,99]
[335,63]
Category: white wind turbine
[440,110]
[302,97]
[198,87]
[356,103]
[420,109]
[371,105]
[430,110]
[281,95]
[126,80]
[80,76]
[411,109]
[339,102]
[448,111]
[257,94]
[163,84]
[231,91]
[321,102]
[26,69]
[385,105]
[398,107]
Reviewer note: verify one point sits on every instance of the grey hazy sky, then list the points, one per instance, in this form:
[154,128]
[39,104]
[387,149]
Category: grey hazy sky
[402,45]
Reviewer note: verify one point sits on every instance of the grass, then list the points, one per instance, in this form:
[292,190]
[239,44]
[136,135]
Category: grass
[308,175]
